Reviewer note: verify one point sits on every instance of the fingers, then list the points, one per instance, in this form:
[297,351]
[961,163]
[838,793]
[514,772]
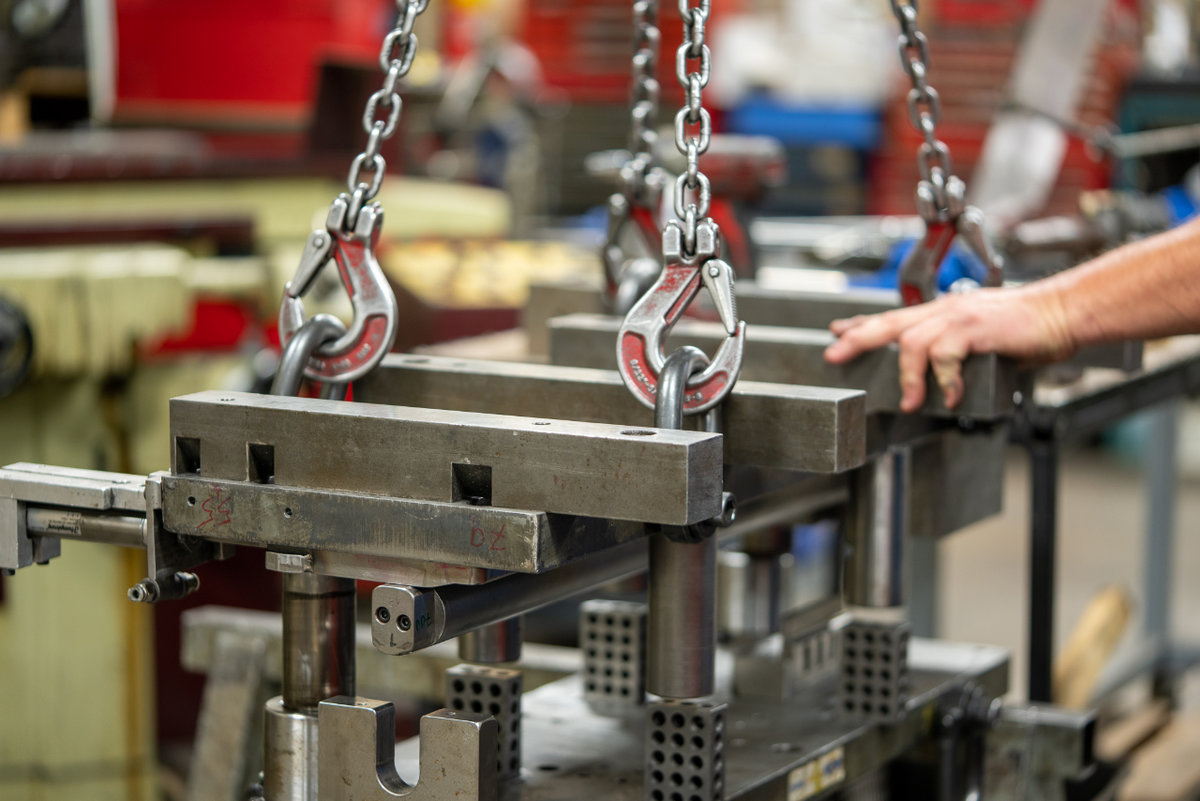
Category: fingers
[946,356]
[915,344]
[860,334]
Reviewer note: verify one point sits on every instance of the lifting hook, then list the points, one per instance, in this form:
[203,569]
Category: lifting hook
[352,247]
[919,271]
[640,356]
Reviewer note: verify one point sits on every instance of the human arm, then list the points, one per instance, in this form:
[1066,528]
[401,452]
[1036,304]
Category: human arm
[1146,289]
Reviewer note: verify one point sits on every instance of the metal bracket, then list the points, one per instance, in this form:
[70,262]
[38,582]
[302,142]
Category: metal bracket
[357,754]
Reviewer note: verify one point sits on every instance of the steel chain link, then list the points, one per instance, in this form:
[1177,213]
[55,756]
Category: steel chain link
[643,109]
[382,113]
[924,104]
[693,125]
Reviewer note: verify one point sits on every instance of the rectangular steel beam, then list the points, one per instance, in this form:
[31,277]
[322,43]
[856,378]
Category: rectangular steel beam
[564,467]
[796,356]
[381,529]
[761,305]
[811,429]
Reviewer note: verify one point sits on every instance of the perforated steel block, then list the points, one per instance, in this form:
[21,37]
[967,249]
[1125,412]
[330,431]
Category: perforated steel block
[495,692]
[685,751]
[612,635]
[875,680]
[813,653]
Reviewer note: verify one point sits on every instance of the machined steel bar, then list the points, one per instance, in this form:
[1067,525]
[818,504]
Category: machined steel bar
[796,356]
[565,467]
[814,429]
[876,525]
[318,640]
[681,630]
[125,530]
[494,644]
[413,619]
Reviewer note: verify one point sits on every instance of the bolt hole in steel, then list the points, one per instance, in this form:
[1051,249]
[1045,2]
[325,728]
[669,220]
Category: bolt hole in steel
[382,614]
[191,501]
[287,512]
[638,433]
[404,623]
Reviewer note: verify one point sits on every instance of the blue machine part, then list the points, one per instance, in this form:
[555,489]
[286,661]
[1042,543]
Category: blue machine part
[960,262]
[1180,204]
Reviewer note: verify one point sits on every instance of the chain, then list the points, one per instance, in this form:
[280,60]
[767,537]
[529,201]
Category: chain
[693,125]
[643,107]
[924,104]
[382,113]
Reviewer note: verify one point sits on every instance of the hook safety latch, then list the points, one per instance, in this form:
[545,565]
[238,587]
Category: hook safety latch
[919,271]
[373,329]
[640,356]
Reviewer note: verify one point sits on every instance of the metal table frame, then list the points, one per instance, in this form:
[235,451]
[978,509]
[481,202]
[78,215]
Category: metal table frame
[1048,422]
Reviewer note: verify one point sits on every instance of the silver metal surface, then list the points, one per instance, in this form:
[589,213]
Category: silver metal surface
[78,489]
[228,752]
[796,356]
[1033,751]
[956,479]
[495,644]
[318,639]
[615,472]
[414,618]
[685,750]
[682,624]
[457,759]
[612,637]
[750,590]
[692,143]
[767,425]
[495,692]
[875,681]
[379,538]
[876,525]
[109,529]
[314,333]
[420,676]
[681,633]
[404,571]
[290,754]
[572,753]
[768,305]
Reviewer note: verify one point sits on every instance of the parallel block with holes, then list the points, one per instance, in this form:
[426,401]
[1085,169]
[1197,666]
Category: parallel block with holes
[685,751]
[875,669]
[613,637]
[495,692]
[813,652]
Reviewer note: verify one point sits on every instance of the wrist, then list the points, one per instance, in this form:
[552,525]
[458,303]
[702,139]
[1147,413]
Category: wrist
[1060,331]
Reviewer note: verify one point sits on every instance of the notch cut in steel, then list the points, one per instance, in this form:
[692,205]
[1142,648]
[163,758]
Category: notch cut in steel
[352,247]
[640,341]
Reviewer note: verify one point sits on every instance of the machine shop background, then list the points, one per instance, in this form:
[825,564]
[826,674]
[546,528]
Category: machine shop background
[163,163]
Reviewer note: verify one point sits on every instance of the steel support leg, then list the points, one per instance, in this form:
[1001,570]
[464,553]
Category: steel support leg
[1043,456]
[1162,481]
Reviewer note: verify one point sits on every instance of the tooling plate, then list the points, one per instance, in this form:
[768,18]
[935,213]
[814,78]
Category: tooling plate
[814,429]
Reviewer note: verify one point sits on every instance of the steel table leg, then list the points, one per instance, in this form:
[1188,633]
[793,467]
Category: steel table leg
[1161,477]
[1043,454]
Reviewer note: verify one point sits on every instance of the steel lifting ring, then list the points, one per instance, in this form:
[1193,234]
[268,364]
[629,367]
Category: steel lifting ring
[373,329]
[640,356]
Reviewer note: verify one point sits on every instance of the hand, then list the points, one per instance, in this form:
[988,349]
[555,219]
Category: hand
[1027,323]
